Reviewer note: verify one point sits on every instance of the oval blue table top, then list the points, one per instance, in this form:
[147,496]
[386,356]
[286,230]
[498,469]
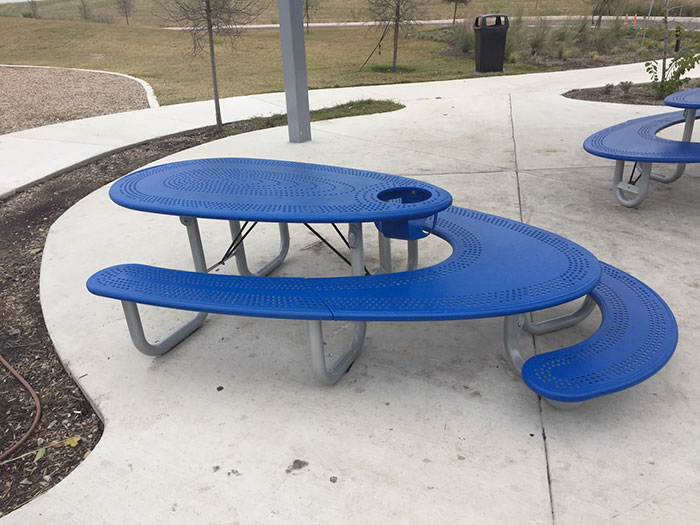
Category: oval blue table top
[276,191]
[690,98]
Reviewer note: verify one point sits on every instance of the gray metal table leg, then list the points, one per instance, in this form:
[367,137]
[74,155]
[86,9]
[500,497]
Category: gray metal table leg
[384,252]
[385,263]
[195,238]
[512,326]
[138,337]
[412,262]
[240,255]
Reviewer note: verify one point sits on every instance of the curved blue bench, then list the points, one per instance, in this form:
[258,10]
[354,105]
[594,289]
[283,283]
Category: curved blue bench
[636,338]
[637,140]
[467,285]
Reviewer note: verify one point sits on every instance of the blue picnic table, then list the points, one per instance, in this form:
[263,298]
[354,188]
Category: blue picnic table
[637,141]
[498,267]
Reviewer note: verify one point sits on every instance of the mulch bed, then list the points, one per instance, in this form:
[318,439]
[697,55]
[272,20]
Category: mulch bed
[636,94]
[25,219]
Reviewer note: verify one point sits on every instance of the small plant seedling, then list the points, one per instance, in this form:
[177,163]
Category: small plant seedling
[625,86]
[608,88]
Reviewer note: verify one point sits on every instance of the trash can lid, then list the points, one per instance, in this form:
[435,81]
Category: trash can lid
[500,20]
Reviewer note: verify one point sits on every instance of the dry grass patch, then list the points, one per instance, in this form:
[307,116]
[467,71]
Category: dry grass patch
[159,57]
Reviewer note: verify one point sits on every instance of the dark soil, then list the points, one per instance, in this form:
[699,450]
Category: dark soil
[25,219]
[636,94]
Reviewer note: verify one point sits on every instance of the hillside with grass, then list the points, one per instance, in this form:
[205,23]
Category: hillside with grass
[148,12]
[160,57]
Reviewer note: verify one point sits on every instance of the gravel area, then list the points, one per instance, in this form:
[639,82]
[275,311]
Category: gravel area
[32,97]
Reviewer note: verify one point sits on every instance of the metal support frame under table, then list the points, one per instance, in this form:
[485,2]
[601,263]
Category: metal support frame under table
[640,188]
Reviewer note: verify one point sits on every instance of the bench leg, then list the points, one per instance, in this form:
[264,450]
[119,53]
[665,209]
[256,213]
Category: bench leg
[639,189]
[318,355]
[138,337]
[514,324]
[241,260]
[687,135]
[195,238]
[680,170]
[560,323]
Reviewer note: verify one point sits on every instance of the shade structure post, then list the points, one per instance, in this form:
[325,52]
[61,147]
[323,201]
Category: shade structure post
[296,87]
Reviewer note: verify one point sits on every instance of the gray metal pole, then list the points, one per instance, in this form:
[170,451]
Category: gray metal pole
[296,87]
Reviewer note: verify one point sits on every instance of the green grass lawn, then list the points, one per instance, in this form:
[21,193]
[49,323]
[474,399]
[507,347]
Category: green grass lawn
[159,57]
[147,12]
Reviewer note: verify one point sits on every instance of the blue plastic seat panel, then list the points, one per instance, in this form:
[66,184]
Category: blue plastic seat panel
[498,267]
[636,338]
[274,297]
[690,98]
[276,191]
[637,140]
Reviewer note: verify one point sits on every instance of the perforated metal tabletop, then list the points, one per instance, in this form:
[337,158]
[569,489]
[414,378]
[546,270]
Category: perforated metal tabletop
[276,191]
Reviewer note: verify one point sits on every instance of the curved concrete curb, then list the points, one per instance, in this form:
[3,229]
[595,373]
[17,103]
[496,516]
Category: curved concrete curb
[150,95]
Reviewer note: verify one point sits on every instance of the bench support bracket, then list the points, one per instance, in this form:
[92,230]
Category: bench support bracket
[560,323]
[639,189]
[138,337]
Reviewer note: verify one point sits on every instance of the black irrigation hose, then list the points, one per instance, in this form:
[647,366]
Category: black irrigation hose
[32,393]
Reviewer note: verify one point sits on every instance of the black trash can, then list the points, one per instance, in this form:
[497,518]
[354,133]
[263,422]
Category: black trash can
[490,42]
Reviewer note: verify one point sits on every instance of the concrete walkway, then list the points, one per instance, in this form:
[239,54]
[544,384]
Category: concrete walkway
[430,425]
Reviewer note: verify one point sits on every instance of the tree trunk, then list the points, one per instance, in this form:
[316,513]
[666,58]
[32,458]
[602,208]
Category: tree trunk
[454,15]
[210,31]
[306,12]
[663,61]
[397,19]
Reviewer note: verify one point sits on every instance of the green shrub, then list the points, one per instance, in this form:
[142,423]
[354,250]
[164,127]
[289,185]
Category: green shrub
[466,38]
[672,80]
[538,39]
[625,86]
[514,39]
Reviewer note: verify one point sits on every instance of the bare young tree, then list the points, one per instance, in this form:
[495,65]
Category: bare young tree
[125,7]
[310,7]
[601,8]
[456,3]
[34,8]
[84,10]
[202,19]
[396,14]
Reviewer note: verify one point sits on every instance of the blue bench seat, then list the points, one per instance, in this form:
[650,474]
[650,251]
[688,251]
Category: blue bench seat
[637,141]
[493,271]
[636,338]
